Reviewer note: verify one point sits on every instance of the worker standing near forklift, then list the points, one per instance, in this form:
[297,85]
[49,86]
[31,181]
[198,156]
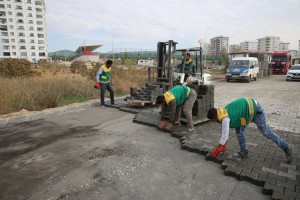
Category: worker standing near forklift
[178,98]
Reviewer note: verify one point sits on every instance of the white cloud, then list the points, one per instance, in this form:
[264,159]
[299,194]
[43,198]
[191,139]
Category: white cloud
[142,23]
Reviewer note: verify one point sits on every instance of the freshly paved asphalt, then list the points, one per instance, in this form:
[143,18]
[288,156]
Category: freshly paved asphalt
[98,153]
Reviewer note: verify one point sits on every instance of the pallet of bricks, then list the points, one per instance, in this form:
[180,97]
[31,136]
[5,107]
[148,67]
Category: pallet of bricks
[205,101]
[146,95]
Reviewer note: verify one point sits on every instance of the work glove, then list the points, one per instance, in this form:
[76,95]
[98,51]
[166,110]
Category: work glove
[97,85]
[217,151]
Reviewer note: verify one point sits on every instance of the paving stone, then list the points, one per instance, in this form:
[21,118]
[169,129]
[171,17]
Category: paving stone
[266,163]
[289,192]
[290,186]
[270,188]
[278,196]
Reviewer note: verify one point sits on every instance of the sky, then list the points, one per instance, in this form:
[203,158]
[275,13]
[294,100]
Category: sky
[141,24]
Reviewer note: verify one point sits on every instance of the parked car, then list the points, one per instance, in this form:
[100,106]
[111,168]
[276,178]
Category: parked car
[243,68]
[293,73]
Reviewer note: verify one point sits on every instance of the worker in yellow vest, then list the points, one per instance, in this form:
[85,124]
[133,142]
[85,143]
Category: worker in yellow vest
[103,81]
[178,98]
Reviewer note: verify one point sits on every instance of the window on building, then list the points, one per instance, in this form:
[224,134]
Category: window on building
[11,27]
[42,54]
[8,6]
[9,13]
[21,34]
[31,41]
[23,54]
[12,40]
[11,20]
[14,53]
[31,34]
[13,47]
[30,21]
[22,47]
[6,54]
[29,8]
[31,28]
[29,14]
[12,33]
[28,1]
[32,47]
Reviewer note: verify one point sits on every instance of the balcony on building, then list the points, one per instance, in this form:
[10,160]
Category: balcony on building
[3,21]
[19,14]
[2,14]
[21,28]
[18,7]
[2,6]
[20,21]
[42,54]
[5,34]
[3,28]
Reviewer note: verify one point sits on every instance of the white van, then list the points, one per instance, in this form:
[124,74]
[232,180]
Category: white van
[243,68]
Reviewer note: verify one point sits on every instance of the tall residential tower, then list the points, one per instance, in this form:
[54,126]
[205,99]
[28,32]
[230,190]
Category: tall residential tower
[23,29]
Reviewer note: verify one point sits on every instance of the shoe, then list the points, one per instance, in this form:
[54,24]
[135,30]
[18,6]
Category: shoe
[289,155]
[103,106]
[177,124]
[241,154]
[113,104]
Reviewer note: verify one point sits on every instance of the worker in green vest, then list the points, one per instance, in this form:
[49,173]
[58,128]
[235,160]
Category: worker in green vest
[238,115]
[178,98]
[189,67]
[104,82]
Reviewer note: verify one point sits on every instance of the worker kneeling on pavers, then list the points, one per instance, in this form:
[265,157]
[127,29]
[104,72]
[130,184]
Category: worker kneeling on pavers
[238,115]
[178,98]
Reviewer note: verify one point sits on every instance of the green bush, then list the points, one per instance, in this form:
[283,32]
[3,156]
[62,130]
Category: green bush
[14,67]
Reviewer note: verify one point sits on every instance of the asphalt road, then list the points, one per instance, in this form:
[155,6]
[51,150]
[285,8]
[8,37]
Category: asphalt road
[100,154]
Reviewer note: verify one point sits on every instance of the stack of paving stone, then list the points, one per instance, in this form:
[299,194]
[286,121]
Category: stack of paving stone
[205,100]
[147,94]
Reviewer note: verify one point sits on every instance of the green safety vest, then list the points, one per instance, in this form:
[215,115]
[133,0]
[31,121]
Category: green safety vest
[105,76]
[180,93]
[241,112]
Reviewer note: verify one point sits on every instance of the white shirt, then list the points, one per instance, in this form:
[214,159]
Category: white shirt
[225,130]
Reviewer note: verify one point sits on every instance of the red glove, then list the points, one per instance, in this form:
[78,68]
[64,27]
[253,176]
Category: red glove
[217,151]
[97,85]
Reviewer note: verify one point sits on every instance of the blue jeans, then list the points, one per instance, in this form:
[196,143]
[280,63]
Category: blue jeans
[261,123]
[104,87]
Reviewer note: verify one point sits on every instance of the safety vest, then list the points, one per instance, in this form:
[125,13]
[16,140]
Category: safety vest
[180,93]
[241,112]
[105,76]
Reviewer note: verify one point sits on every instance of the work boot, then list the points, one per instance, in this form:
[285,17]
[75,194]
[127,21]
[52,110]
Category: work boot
[241,154]
[289,155]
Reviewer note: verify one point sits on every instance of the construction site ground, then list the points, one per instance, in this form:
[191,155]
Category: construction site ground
[86,152]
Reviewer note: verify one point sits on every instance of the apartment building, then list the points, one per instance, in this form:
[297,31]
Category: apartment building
[284,46]
[268,43]
[219,44]
[249,45]
[234,48]
[23,29]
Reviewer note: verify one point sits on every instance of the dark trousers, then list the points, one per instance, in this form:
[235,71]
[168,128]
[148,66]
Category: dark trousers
[104,87]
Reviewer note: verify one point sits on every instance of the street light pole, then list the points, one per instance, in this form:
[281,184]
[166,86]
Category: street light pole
[205,48]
